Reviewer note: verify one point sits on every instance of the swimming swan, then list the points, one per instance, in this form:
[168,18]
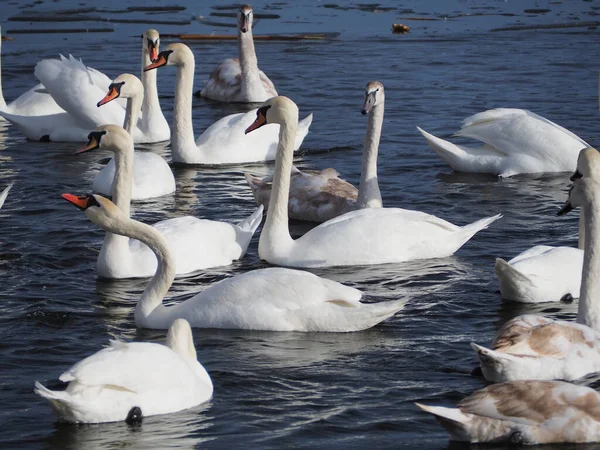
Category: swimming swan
[128,380]
[534,347]
[273,299]
[318,196]
[524,413]
[224,141]
[196,243]
[515,141]
[240,80]
[366,236]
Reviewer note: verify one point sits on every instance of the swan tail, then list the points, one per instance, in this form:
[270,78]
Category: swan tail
[303,127]
[453,420]
[26,125]
[514,284]
[465,159]
[4,194]
[246,228]
[468,231]
[370,314]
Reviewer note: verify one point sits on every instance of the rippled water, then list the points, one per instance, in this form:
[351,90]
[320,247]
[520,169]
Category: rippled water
[291,389]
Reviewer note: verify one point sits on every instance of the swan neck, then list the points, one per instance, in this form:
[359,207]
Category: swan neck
[123,181]
[2,101]
[248,62]
[182,140]
[369,195]
[150,105]
[581,240]
[276,226]
[132,113]
[589,300]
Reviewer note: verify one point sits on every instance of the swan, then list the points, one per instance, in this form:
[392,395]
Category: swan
[515,141]
[197,243]
[366,236]
[77,88]
[152,176]
[240,80]
[35,102]
[4,194]
[544,273]
[533,347]
[524,413]
[274,299]
[321,195]
[224,141]
[127,381]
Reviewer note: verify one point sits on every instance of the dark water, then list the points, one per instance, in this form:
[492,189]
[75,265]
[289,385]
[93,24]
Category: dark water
[291,389]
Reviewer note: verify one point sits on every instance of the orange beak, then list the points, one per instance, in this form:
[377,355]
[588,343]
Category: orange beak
[112,94]
[81,201]
[92,144]
[259,122]
[152,52]
[160,61]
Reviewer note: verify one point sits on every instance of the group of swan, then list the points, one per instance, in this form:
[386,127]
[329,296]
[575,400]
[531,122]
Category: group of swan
[530,350]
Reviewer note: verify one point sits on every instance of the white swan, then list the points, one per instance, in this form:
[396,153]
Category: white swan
[77,89]
[544,273]
[4,194]
[524,413]
[516,141]
[265,299]
[224,141]
[152,176]
[240,80]
[318,196]
[367,236]
[35,102]
[197,243]
[128,381]
[535,347]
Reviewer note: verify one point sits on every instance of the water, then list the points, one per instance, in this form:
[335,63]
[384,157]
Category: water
[292,389]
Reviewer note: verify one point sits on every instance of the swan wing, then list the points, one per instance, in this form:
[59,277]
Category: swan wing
[73,87]
[224,81]
[267,84]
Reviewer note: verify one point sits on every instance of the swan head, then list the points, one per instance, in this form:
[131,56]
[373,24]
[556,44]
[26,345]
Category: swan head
[100,210]
[581,193]
[151,43]
[588,164]
[245,17]
[275,110]
[125,85]
[374,95]
[176,54]
[180,339]
[112,137]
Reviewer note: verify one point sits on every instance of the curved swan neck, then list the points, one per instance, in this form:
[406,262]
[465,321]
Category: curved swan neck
[276,231]
[581,240]
[123,180]
[588,311]
[248,62]
[150,103]
[183,145]
[2,101]
[132,112]
[369,195]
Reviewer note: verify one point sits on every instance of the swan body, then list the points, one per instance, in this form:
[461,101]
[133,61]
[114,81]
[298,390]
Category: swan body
[240,80]
[524,413]
[224,141]
[366,236]
[156,378]
[535,347]
[544,273]
[515,141]
[197,243]
[318,196]
[4,194]
[77,89]
[152,176]
[274,299]
[34,102]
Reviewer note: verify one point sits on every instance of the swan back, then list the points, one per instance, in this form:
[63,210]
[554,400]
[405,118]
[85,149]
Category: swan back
[180,339]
